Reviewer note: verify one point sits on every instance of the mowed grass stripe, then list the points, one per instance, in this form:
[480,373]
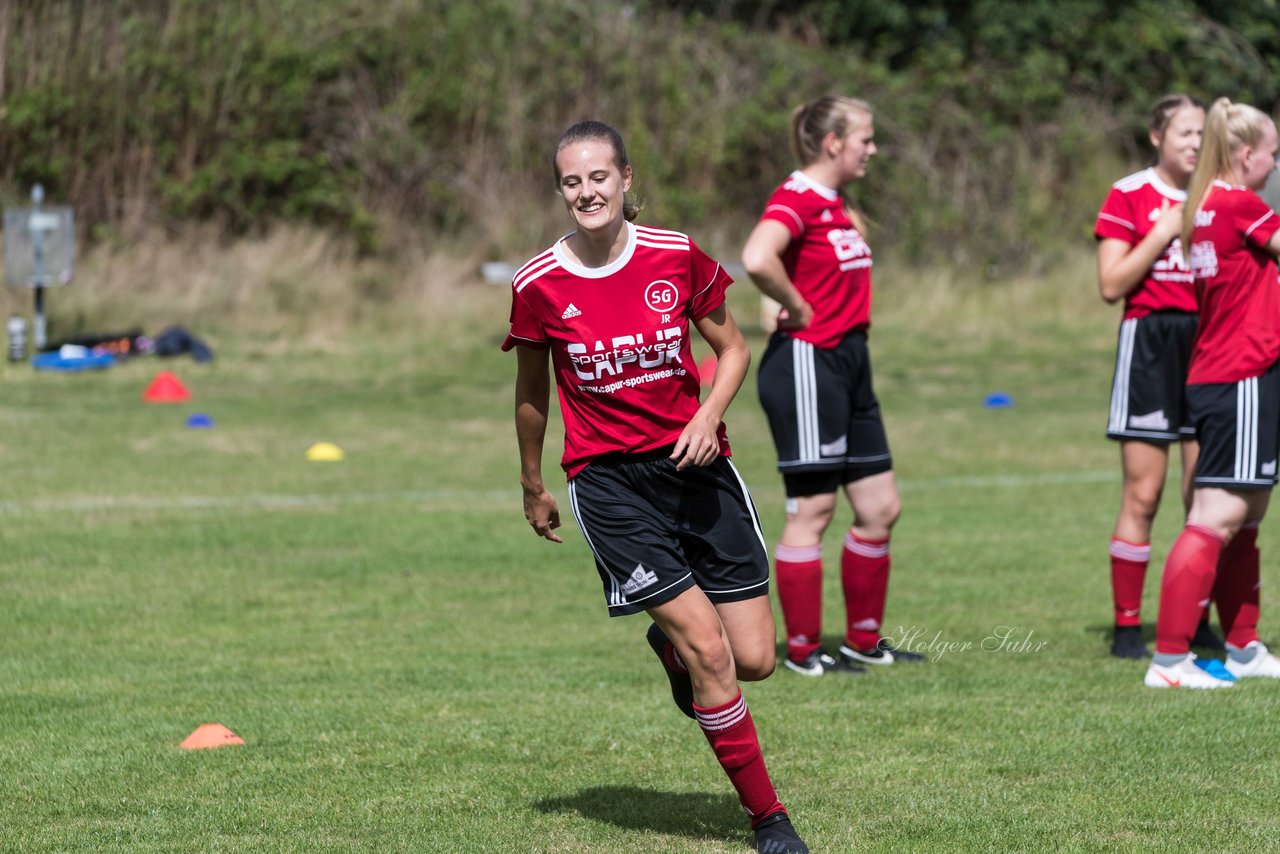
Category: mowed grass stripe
[478,496]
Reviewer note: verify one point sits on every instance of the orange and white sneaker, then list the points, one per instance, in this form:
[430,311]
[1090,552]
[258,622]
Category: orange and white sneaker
[1184,674]
[1263,663]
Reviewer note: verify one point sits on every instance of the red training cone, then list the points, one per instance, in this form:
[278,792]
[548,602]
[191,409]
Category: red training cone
[166,388]
[207,736]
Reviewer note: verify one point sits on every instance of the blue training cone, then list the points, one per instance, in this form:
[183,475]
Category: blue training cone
[998,400]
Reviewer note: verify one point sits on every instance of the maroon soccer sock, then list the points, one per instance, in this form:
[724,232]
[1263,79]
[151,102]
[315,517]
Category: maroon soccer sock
[1188,580]
[799,572]
[1236,588]
[864,572]
[1128,571]
[732,736]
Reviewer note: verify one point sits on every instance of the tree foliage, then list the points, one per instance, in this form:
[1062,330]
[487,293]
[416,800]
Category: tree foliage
[1001,123]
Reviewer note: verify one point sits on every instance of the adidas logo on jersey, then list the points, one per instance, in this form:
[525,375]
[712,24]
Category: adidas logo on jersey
[639,580]
[826,216]
[571,311]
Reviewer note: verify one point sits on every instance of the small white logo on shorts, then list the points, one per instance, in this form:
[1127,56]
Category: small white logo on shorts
[571,311]
[639,580]
[1269,469]
[1151,421]
[836,448]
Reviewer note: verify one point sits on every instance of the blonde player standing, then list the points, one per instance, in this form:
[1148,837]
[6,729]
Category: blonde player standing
[1233,394]
[809,253]
[1140,260]
[669,520]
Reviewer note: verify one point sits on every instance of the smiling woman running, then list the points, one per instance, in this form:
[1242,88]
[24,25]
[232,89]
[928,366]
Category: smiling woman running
[670,522]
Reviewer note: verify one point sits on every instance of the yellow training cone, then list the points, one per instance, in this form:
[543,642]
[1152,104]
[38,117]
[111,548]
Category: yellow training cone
[326,452]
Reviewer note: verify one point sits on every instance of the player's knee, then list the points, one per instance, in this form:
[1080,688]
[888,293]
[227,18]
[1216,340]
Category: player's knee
[1142,500]
[878,519]
[711,657]
[757,665]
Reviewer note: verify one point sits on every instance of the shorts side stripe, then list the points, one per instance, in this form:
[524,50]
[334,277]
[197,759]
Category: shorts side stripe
[1120,385]
[1246,429]
[616,596]
[806,399]
[751,505]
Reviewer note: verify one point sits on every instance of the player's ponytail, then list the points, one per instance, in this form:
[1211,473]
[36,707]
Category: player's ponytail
[1227,127]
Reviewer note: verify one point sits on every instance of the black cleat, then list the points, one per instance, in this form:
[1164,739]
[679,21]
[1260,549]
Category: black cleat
[1127,643]
[881,653]
[775,835]
[820,664]
[681,684]
[1205,637]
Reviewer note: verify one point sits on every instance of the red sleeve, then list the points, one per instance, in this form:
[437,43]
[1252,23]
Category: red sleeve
[707,283]
[784,207]
[1255,219]
[526,328]
[1115,220]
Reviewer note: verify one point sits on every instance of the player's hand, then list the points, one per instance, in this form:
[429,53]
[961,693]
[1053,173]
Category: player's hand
[543,514]
[698,445]
[1169,225]
[797,318]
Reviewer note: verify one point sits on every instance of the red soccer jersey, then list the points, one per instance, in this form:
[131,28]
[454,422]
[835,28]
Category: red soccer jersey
[1130,210]
[828,261]
[1239,334]
[619,339]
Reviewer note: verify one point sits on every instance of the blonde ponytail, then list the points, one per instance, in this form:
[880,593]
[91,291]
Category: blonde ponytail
[1227,127]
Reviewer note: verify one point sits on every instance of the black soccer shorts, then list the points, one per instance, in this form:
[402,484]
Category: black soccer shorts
[1148,391]
[1238,425]
[823,413]
[655,532]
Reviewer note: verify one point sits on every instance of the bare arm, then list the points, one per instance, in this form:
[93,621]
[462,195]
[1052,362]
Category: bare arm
[1121,266]
[762,257]
[699,444]
[533,398]
[1273,245]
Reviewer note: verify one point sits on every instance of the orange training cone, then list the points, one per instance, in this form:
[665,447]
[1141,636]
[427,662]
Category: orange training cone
[707,369]
[207,736]
[166,388]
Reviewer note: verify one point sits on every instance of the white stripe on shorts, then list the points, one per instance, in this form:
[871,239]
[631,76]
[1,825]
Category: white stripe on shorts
[1120,386]
[616,596]
[751,505]
[1246,429]
[806,383]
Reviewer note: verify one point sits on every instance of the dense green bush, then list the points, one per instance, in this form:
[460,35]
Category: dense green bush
[1001,123]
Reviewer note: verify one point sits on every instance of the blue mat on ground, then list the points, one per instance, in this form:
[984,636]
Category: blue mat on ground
[56,362]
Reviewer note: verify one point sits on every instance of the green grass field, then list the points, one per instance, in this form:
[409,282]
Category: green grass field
[412,670]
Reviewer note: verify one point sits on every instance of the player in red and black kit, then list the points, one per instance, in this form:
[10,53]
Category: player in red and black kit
[1140,261]
[809,253]
[673,530]
[1233,395]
